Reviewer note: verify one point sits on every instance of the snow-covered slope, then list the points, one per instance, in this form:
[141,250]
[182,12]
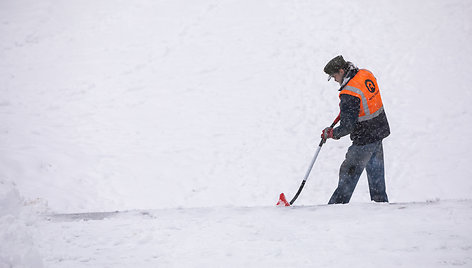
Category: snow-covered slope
[152,104]
[115,105]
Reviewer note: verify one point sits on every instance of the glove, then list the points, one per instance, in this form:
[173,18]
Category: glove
[327,133]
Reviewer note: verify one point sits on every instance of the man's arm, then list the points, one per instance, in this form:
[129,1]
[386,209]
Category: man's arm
[349,107]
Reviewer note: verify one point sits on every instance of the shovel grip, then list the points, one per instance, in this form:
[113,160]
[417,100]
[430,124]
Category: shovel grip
[332,125]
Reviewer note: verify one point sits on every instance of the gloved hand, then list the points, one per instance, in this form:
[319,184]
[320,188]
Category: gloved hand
[327,133]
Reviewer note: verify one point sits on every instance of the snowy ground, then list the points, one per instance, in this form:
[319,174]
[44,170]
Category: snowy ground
[202,112]
[434,234]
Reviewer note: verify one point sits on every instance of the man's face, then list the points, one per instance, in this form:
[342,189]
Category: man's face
[338,77]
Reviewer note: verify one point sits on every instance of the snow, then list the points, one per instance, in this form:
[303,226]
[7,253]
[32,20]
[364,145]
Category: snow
[428,234]
[17,247]
[201,114]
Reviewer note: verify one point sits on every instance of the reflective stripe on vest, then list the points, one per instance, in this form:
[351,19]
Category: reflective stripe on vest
[364,86]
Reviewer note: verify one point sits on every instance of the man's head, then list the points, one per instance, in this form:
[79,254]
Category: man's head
[336,68]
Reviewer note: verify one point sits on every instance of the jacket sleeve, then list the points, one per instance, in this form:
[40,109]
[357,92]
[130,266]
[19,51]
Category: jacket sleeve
[349,106]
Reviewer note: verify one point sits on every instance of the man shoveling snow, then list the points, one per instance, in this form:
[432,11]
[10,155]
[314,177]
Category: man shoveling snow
[362,116]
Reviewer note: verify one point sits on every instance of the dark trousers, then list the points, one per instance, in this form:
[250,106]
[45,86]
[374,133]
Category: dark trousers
[360,157]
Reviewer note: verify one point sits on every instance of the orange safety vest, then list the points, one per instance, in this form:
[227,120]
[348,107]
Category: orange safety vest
[364,86]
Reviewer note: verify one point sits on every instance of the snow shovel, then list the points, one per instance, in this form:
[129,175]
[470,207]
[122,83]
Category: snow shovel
[282,200]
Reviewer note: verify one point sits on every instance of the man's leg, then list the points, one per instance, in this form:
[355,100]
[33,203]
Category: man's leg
[350,171]
[376,175]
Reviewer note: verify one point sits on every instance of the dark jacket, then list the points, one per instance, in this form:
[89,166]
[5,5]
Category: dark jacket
[361,132]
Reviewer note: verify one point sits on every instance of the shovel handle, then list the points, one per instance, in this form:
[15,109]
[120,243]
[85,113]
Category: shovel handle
[312,163]
[336,120]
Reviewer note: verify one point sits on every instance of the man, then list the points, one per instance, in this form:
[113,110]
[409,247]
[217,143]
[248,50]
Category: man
[363,117]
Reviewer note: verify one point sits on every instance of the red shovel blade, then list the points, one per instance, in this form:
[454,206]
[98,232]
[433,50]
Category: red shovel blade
[282,201]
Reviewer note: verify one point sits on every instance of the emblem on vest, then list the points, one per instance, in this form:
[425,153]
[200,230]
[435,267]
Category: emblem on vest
[370,85]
